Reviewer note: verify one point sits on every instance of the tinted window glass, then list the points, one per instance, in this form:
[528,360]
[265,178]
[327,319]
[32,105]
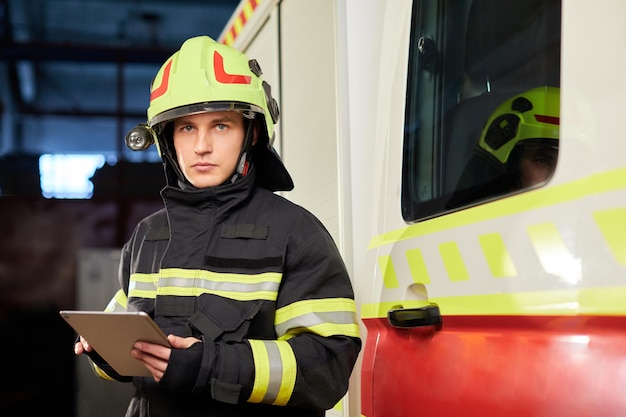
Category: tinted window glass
[482,111]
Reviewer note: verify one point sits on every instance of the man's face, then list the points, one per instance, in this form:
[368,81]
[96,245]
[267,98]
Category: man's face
[537,164]
[208,146]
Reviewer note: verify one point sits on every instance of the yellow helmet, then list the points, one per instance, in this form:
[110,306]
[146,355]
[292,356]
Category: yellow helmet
[529,120]
[529,116]
[205,76]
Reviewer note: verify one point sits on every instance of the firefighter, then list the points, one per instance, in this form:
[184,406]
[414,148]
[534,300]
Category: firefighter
[518,148]
[250,287]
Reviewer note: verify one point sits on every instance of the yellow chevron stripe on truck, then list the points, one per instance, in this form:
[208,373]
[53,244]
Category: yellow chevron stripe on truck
[403,267]
[596,184]
[612,224]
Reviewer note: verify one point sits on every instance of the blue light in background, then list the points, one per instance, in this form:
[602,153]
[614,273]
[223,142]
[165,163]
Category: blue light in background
[68,175]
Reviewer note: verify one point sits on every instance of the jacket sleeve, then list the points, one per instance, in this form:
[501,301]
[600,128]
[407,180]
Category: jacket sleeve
[309,364]
[318,334]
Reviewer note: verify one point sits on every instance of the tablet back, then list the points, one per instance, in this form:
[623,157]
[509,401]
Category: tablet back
[112,335]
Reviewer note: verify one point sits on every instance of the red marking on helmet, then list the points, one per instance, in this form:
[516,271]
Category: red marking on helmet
[165,80]
[225,78]
[547,119]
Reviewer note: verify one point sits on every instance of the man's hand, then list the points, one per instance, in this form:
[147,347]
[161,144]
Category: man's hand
[156,357]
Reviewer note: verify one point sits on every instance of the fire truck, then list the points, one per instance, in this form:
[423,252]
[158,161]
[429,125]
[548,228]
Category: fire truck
[509,303]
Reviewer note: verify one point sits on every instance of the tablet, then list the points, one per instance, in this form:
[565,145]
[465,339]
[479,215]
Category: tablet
[112,335]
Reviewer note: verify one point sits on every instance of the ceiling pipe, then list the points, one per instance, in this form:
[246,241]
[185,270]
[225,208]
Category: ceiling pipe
[46,51]
[33,111]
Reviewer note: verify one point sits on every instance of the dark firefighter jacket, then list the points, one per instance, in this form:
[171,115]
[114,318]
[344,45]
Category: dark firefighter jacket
[260,281]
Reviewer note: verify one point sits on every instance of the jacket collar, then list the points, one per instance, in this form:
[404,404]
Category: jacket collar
[223,196]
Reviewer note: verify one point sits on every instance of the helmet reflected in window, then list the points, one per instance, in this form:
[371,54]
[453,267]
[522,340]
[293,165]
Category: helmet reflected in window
[525,128]
[517,149]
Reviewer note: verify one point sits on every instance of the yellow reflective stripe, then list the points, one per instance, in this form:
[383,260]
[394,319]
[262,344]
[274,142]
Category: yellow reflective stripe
[263,283]
[453,261]
[118,302]
[597,301]
[261,371]
[275,372]
[543,197]
[302,307]
[325,317]
[143,285]
[189,282]
[612,225]
[390,279]
[497,256]
[100,372]
[221,277]
[417,266]
[324,329]
[289,371]
[234,295]
[553,253]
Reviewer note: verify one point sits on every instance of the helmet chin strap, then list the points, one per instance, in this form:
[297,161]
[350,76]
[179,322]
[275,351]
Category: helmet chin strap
[243,164]
[169,153]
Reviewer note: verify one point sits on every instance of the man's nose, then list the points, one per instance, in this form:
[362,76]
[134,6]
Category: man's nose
[204,142]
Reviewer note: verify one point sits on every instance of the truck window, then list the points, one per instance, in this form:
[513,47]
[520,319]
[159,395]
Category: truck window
[482,102]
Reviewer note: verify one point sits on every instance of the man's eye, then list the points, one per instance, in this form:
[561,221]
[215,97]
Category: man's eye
[221,127]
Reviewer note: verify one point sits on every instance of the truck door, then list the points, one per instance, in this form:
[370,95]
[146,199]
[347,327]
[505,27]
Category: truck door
[498,296]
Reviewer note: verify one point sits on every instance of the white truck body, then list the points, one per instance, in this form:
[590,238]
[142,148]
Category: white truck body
[538,276]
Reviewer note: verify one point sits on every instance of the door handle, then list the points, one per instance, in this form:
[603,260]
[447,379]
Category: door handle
[416,317]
